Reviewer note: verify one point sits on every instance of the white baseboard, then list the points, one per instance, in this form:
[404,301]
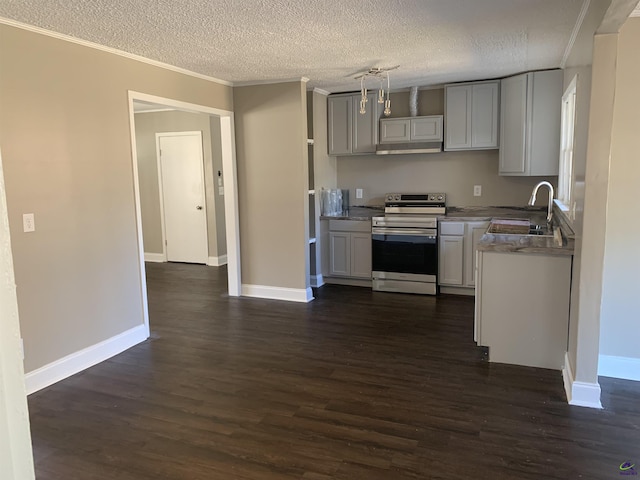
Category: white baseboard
[217,261]
[626,368]
[83,359]
[581,394]
[278,293]
[317,280]
[155,257]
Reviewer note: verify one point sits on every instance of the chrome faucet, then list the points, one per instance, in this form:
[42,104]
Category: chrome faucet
[532,200]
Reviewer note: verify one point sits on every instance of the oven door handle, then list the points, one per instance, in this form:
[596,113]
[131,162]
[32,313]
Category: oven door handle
[404,231]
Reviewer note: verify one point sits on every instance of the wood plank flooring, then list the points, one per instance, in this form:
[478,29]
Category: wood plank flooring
[355,385]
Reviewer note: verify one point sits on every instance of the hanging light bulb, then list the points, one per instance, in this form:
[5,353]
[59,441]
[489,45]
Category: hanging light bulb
[387,103]
[363,97]
[381,92]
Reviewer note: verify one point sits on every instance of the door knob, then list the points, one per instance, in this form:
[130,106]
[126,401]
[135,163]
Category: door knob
[199,207]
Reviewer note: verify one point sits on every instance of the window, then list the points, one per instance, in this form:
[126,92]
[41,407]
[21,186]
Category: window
[566,173]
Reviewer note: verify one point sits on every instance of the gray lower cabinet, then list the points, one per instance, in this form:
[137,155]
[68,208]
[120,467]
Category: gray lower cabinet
[522,307]
[457,252]
[349,131]
[349,249]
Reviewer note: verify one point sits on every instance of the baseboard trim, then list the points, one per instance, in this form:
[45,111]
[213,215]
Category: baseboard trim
[353,282]
[581,394]
[626,368]
[83,359]
[458,291]
[217,261]
[316,281]
[155,257]
[278,293]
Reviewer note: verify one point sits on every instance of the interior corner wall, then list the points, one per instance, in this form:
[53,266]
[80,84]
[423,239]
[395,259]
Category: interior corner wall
[271,132]
[217,192]
[620,309]
[65,138]
[147,125]
[579,62]
[595,202]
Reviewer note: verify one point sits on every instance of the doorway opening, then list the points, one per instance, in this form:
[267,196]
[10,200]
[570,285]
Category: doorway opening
[166,186]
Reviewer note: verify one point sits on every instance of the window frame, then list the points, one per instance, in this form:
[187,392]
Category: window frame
[566,171]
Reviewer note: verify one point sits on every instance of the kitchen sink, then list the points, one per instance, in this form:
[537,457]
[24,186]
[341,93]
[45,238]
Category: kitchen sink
[542,230]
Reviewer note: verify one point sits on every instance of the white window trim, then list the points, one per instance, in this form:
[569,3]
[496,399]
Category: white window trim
[566,172]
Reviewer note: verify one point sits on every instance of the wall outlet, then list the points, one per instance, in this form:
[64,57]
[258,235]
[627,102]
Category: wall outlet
[477,190]
[358,193]
[220,190]
[28,222]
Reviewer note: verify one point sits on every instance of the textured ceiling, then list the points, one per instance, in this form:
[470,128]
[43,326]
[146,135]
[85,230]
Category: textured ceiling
[327,41]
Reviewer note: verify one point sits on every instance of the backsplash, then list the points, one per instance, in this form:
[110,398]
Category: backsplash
[453,173]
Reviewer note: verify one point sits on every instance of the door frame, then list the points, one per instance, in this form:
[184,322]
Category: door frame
[163,227]
[229,176]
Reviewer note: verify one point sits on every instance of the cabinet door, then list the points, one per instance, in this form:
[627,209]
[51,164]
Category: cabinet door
[339,111]
[365,126]
[361,255]
[340,254]
[513,124]
[484,115]
[395,130]
[544,140]
[427,129]
[457,117]
[475,231]
[450,257]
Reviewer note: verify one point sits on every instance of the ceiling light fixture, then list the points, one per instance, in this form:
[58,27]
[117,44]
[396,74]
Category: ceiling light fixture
[380,74]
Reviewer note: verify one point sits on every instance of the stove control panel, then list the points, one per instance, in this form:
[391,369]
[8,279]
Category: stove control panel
[413,198]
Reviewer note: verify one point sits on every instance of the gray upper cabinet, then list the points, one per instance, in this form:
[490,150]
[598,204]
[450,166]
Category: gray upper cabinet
[411,129]
[471,116]
[530,123]
[350,132]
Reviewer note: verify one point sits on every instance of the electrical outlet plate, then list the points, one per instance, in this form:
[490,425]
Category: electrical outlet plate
[359,193]
[28,222]
[477,190]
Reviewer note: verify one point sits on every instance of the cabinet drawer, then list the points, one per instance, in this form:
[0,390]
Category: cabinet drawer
[350,226]
[452,228]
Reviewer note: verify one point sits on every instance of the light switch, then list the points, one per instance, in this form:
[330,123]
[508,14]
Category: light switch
[28,222]
[219,181]
[220,190]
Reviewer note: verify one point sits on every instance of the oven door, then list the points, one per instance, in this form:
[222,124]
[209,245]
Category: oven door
[403,253]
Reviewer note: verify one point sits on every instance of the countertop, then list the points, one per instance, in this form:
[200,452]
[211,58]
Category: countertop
[505,243]
[489,242]
[362,214]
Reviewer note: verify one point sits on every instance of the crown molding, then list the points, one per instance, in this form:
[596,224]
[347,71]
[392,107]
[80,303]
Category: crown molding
[115,51]
[574,32]
[320,91]
[252,83]
[636,11]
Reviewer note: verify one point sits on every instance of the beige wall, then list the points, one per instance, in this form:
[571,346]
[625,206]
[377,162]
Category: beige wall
[65,139]
[216,153]
[454,173]
[271,153]
[620,310]
[579,63]
[147,125]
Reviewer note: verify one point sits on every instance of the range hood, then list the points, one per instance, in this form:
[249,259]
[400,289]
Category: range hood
[409,147]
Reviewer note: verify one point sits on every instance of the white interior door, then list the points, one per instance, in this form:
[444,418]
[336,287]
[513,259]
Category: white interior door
[182,184]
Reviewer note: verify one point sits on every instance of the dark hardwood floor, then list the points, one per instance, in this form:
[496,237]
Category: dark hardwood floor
[355,385]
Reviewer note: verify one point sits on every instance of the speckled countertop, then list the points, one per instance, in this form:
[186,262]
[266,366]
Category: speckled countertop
[534,214]
[357,213]
[504,243]
[489,242]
